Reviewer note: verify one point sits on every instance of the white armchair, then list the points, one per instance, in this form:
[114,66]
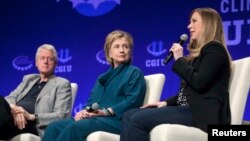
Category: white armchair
[155,83]
[74,88]
[32,137]
[238,91]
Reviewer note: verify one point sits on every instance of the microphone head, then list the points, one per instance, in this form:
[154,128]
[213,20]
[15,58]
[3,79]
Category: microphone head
[184,37]
[95,106]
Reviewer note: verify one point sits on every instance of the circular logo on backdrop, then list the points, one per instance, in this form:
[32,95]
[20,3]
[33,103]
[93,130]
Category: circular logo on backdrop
[22,63]
[94,7]
[100,57]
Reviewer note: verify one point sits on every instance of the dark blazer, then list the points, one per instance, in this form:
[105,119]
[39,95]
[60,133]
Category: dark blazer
[207,78]
[52,103]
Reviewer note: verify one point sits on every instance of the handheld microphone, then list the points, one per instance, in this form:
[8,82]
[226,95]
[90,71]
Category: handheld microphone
[94,107]
[183,38]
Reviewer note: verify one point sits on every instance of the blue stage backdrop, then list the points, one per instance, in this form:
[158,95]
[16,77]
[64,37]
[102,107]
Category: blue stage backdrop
[78,28]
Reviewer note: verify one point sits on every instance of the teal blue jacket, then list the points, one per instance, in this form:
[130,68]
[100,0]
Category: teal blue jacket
[121,88]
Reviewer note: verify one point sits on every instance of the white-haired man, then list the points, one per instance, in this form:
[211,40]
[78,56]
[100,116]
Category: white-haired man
[38,100]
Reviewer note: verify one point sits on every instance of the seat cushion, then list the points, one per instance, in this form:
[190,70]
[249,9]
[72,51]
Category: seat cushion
[176,132]
[103,136]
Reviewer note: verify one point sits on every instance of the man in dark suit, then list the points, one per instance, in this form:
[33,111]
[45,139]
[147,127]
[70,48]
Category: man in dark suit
[38,100]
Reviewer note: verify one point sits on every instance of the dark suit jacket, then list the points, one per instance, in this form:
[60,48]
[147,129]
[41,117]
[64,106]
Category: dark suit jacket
[207,79]
[52,103]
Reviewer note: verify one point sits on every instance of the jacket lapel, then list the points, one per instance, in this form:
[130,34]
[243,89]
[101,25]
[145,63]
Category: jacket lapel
[48,86]
[106,78]
[30,83]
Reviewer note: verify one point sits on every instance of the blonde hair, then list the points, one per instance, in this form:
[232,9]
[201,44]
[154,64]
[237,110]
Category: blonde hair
[212,31]
[111,37]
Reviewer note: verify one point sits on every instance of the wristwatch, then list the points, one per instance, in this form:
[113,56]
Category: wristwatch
[36,117]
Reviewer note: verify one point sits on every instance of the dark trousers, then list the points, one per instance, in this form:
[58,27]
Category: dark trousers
[7,126]
[71,130]
[137,123]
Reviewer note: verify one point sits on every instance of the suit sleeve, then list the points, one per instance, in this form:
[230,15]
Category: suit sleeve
[11,98]
[172,101]
[134,93]
[62,105]
[213,59]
